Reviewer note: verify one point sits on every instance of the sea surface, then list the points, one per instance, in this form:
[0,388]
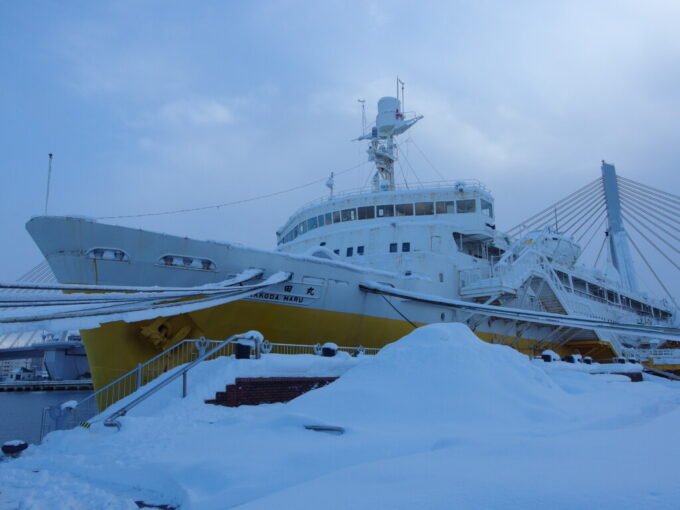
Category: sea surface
[21,412]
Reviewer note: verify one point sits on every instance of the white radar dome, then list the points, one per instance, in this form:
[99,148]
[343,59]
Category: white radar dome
[390,116]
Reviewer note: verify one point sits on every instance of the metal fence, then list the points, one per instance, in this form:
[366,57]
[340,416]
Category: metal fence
[72,414]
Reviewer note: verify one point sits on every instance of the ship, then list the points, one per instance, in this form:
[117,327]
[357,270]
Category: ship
[365,267]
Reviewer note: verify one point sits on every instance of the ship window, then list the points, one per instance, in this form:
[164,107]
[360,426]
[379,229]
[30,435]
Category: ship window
[311,223]
[329,218]
[404,209]
[302,228]
[424,208]
[337,252]
[350,251]
[383,211]
[336,216]
[611,296]
[319,220]
[466,206]
[108,254]
[360,250]
[187,262]
[349,214]
[563,277]
[487,208]
[579,285]
[367,212]
[595,290]
[405,246]
[446,207]
[393,247]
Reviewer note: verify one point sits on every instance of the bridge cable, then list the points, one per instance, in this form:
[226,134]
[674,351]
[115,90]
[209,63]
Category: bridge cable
[633,204]
[550,209]
[548,216]
[654,201]
[653,245]
[638,218]
[567,214]
[670,196]
[649,266]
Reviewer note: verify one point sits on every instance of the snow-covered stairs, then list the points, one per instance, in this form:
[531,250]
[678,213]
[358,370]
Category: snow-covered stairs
[254,391]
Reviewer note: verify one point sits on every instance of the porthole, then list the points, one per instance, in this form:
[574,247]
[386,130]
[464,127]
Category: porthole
[184,262]
[108,254]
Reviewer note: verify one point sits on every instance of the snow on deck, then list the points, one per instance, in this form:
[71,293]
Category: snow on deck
[436,420]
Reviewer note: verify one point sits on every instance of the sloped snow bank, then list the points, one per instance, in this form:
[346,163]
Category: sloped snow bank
[440,373]
[437,419]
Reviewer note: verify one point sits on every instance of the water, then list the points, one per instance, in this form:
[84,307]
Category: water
[21,411]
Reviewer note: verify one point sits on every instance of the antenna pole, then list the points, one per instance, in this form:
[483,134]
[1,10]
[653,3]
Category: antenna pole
[403,108]
[49,178]
[363,116]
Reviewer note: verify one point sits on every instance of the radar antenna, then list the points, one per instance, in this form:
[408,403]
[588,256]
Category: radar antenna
[389,123]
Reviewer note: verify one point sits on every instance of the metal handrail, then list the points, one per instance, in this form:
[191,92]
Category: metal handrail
[266,347]
[112,420]
[137,370]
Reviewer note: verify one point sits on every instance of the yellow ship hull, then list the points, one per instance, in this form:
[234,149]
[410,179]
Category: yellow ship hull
[118,347]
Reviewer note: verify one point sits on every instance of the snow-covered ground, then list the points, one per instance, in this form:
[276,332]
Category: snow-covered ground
[437,419]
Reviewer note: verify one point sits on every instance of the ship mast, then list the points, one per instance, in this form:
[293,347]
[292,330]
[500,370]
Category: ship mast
[389,123]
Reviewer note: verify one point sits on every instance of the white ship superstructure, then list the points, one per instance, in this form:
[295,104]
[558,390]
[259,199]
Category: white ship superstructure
[365,267]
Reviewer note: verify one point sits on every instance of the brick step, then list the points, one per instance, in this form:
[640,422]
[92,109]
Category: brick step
[266,390]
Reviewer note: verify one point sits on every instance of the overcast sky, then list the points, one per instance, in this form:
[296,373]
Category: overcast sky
[158,105]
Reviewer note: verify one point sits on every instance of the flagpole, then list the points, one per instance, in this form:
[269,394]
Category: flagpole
[49,177]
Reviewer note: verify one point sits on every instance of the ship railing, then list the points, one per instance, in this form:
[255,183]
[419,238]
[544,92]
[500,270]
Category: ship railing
[471,183]
[656,354]
[507,274]
[279,348]
[72,414]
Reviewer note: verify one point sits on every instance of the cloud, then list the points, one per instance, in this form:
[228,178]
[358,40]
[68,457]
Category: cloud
[196,112]
[166,105]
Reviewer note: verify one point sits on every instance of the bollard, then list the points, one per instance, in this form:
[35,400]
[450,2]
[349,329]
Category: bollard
[242,350]
[14,448]
[329,349]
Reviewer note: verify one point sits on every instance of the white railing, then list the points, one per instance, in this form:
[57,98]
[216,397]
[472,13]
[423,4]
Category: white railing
[471,183]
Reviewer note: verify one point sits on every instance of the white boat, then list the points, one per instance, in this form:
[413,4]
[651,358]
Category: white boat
[366,267]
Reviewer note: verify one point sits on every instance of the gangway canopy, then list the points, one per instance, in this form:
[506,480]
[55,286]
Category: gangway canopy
[532,316]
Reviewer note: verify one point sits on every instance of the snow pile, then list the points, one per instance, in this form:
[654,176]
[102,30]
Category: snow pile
[438,374]
[436,420]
